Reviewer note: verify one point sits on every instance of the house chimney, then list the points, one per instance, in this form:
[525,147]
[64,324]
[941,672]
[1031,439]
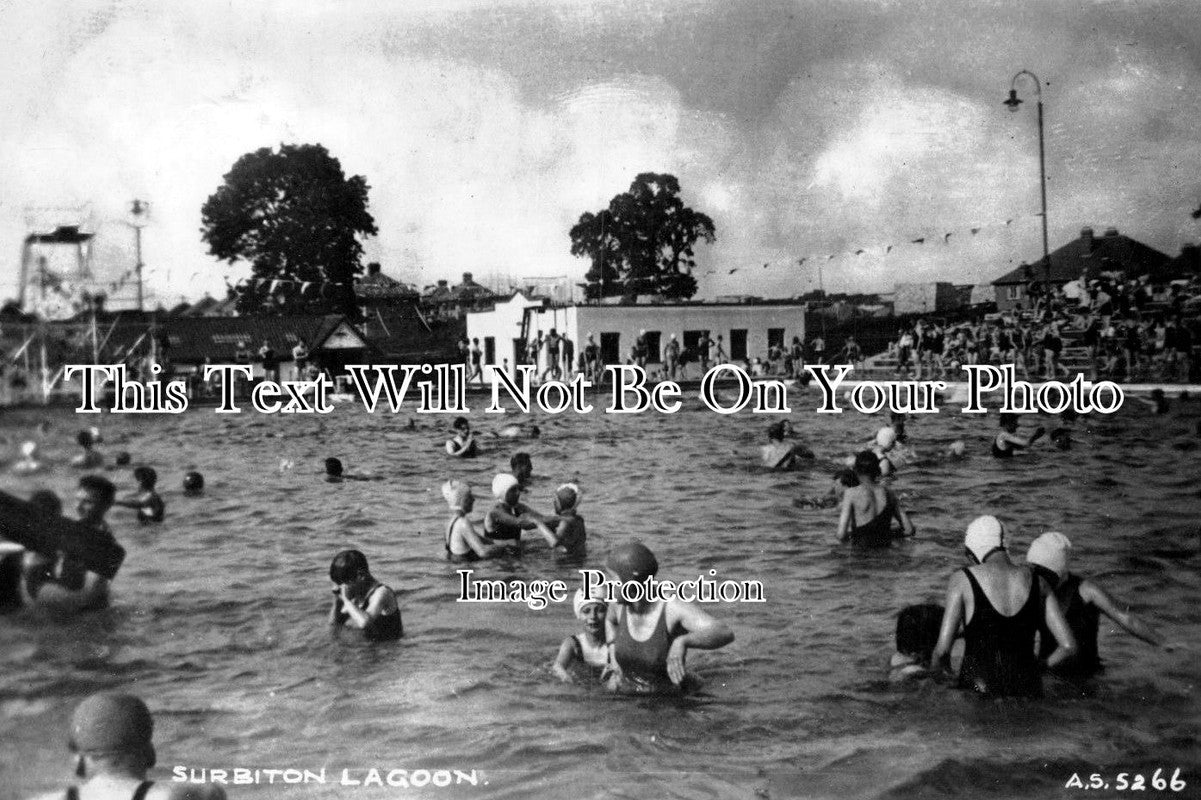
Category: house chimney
[467,279]
[1086,234]
[442,284]
[1111,232]
[373,268]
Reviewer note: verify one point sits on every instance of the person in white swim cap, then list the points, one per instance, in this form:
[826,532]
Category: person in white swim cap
[1083,602]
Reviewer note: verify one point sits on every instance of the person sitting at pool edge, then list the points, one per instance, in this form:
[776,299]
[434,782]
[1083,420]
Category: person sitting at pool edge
[112,742]
[70,579]
[649,641]
[360,601]
[780,456]
[1007,442]
[917,633]
[145,500]
[463,443]
[587,647]
[869,508]
[505,521]
[462,541]
[1082,601]
[1001,607]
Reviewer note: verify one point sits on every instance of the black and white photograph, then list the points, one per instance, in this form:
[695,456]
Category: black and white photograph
[600,399]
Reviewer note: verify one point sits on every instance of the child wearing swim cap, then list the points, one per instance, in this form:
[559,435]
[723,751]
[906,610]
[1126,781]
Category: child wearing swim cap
[588,646]
[569,536]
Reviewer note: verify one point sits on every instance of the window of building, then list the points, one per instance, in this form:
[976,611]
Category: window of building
[1013,292]
[738,344]
[775,338]
[610,345]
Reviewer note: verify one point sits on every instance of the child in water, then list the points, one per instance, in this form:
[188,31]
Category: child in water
[463,443]
[89,458]
[588,646]
[145,500]
[569,535]
[917,633]
[360,601]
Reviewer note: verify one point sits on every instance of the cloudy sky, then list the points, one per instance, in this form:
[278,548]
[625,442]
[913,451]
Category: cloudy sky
[804,129]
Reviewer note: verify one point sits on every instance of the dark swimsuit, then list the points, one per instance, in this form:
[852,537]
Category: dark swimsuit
[877,532]
[382,629]
[504,531]
[644,663]
[470,555]
[1083,619]
[138,794]
[998,653]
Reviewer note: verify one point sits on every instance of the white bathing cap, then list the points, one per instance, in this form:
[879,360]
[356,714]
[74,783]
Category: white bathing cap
[1051,551]
[984,536]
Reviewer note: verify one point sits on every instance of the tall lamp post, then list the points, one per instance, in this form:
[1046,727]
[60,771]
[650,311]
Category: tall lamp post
[1013,102]
[138,210]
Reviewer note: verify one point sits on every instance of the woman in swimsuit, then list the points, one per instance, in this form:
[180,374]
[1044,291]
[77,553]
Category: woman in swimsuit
[869,508]
[649,640]
[1007,442]
[588,646]
[360,601]
[1000,607]
[462,542]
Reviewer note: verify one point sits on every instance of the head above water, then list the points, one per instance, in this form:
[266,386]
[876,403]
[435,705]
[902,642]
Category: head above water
[123,459]
[917,630]
[145,476]
[113,725]
[193,483]
[461,424]
[886,438]
[579,603]
[567,498]
[1050,551]
[101,490]
[867,465]
[522,466]
[333,467]
[503,484]
[458,495]
[1008,421]
[984,537]
[348,566]
[29,449]
[85,439]
[775,432]
[632,561]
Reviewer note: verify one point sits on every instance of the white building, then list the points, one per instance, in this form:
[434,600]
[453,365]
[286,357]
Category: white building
[746,330]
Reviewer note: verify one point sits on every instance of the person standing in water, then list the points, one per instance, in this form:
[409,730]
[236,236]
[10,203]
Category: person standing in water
[587,647]
[649,640]
[360,601]
[1001,608]
[462,542]
[869,509]
[1083,602]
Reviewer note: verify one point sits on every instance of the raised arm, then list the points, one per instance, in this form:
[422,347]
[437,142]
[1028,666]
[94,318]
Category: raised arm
[844,518]
[1110,606]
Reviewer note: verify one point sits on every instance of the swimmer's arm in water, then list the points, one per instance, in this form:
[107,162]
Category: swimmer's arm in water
[465,450]
[900,514]
[702,632]
[1108,605]
[952,619]
[1053,614]
[564,660]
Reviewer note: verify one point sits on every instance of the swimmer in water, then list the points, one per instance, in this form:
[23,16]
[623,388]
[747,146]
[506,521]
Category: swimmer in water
[569,535]
[1001,607]
[28,463]
[649,640]
[886,440]
[462,542]
[869,509]
[1062,438]
[1157,401]
[505,521]
[362,602]
[122,459]
[193,484]
[333,470]
[518,431]
[145,500]
[111,742]
[780,456]
[1007,442]
[94,498]
[1083,602]
[957,450]
[588,647]
[89,458]
[522,467]
[917,633]
[463,443]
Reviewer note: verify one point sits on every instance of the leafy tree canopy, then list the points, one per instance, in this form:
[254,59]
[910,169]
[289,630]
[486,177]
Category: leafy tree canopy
[296,219]
[643,242]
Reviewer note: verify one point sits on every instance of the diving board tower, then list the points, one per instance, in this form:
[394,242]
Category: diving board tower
[56,268]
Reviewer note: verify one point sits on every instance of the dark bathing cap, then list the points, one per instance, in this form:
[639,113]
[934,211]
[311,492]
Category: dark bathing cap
[632,562]
[112,723]
[193,482]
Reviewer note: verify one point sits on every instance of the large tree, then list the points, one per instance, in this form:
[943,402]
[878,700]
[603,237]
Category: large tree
[643,242]
[296,219]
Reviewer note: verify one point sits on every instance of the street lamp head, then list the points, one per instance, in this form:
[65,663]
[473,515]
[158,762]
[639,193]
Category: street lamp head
[1014,101]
